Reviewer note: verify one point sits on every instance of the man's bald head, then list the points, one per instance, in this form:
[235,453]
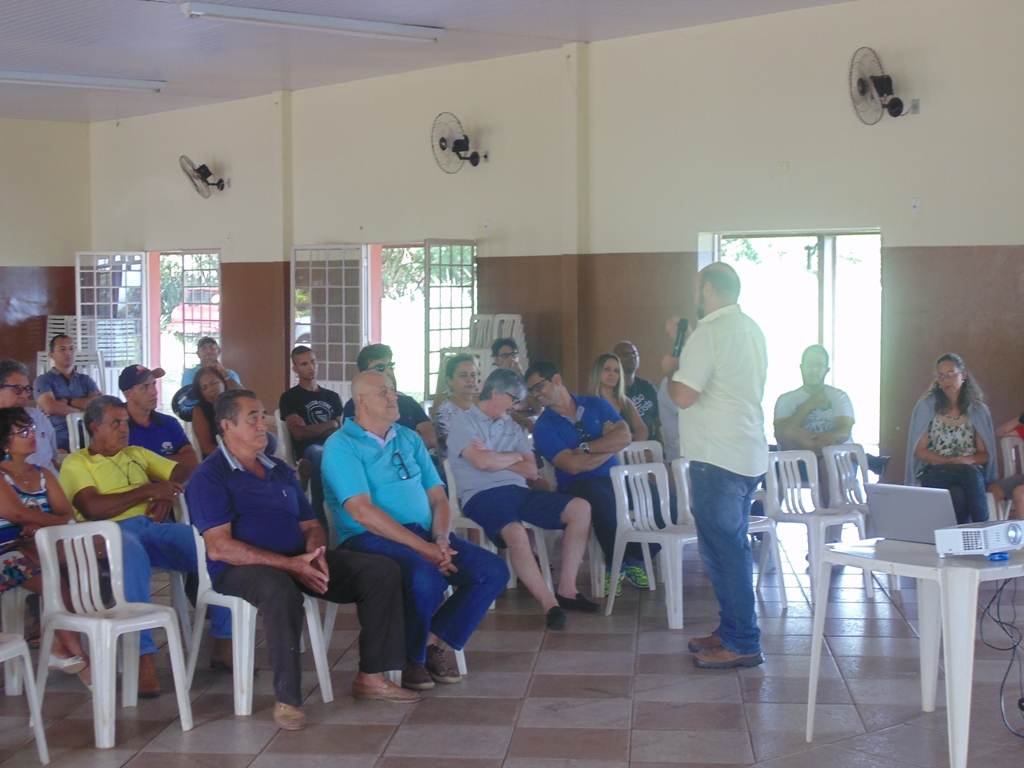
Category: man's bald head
[375,400]
[723,280]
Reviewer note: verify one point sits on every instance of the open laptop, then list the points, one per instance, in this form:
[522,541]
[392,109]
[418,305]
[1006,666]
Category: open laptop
[908,513]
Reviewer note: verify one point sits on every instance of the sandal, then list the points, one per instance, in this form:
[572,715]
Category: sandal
[69,666]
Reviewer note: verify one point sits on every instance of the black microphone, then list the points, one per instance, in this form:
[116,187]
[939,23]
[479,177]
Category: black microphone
[684,324]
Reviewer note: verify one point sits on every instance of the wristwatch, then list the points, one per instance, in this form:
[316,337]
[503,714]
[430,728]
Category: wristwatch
[585,447]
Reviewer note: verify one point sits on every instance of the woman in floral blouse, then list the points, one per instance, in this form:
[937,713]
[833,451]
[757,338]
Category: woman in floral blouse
[952,440]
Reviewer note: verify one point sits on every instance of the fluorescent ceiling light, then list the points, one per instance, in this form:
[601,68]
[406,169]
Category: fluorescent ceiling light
[81,81]
[309,21]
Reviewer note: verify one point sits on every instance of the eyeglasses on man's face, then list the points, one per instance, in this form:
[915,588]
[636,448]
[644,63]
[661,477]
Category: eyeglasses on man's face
[19,389]
[536,388]
[383,367]
[507,355]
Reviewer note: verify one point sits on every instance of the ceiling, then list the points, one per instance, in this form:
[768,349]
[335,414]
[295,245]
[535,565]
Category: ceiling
[205,61]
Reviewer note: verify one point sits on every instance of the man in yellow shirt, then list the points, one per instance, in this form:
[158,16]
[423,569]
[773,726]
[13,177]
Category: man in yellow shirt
[136,488]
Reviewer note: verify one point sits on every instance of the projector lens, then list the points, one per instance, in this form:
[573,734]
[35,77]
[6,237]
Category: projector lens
[1013,534]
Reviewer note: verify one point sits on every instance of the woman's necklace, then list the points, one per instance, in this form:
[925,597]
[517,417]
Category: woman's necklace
[23,477]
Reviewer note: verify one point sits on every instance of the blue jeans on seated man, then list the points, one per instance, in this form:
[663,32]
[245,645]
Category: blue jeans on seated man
[314,454]
[600,494]
[966,486]
[147,545]
[481,577]
[721,510]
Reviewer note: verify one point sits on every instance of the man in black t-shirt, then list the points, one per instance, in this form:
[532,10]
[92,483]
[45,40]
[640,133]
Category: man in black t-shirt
[643,394]
[378,357]
[312,414]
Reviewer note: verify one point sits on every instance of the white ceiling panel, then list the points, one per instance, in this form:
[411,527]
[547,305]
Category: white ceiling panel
[205,60]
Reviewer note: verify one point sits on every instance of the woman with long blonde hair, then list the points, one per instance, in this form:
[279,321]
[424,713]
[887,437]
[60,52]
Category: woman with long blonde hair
[606,381]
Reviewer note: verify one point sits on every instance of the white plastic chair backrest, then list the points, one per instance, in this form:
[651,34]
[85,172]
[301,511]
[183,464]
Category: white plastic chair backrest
[640,513]
[787,493]
[65,325]
[181,514]
[847,467]
[77,432]
[1013,455]
[204,574]
[90,362]
[43,362]
[480,327]
[453,492]
[548,473]
[284,440]
[77,544]
[506,326]
[641,452]
[681,476]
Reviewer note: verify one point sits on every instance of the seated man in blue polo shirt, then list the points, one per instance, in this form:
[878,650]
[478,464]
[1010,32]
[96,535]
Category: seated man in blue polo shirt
[264,544]
[492,460]
[148,428]
[580,436]
[387,499]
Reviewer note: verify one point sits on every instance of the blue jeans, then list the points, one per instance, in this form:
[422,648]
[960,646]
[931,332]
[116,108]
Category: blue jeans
[966,485]
[146,544]
[599,493]
[314,454]
[481,577]
[721,509]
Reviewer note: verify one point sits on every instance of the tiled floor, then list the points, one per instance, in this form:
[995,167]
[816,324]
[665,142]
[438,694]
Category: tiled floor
[609,692]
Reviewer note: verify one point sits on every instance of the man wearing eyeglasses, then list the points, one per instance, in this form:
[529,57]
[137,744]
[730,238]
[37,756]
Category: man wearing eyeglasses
[148,428]
[387,499]
[379,358]
[62,389]
[491,459]
[312,414]
[505,354]
[15,392]
[580,435]
[136,488]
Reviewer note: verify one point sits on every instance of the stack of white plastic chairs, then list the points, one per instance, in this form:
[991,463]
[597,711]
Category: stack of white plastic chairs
[484,329]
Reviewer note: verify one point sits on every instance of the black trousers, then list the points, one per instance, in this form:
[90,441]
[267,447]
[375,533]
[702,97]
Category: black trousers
[372,582]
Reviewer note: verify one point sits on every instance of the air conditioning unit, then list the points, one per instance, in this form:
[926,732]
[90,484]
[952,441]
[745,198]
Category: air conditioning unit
[980,538]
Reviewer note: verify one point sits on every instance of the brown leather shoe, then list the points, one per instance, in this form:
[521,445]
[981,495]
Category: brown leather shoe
[437,666]
[220,656]
[722,658]
[386,691]
[416,678]
[149,684]
[708,643]
[289,718]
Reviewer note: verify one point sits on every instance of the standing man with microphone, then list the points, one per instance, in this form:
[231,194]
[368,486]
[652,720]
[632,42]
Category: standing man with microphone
[718,382]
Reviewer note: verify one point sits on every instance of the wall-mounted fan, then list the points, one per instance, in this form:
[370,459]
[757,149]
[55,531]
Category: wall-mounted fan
[870,88]
[451,144]
[200,177]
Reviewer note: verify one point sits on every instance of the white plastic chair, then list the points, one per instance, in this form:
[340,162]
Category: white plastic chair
[12,614]
[756,524]
[641,452]
[459,522]
[788,500]
[243,636]
[636,523]
[284,440]
[14,653]
[103,625]
[77,433]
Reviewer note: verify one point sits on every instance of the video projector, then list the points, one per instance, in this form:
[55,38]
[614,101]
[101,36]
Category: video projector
[980,538]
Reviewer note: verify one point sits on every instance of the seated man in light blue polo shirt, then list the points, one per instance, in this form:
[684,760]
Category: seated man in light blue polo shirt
[386,498]
[492,460]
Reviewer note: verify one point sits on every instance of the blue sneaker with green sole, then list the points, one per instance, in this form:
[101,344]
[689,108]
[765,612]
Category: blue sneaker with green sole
[637,576]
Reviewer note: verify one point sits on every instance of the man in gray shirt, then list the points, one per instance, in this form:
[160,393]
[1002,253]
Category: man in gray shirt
[491,459]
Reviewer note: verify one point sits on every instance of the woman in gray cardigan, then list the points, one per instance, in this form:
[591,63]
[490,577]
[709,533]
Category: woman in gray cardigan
[950,440]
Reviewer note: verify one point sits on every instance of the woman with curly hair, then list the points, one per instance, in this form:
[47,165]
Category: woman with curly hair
[30,499]
[950,440]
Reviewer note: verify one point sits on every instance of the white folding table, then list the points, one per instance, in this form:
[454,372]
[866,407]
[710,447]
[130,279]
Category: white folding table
[947,599]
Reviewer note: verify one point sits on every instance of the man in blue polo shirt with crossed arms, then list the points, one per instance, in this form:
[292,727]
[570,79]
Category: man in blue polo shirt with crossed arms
[387,499]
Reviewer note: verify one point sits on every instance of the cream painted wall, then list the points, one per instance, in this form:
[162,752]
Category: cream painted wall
[142,200]
[691,129]
[364,170]
[44,192]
